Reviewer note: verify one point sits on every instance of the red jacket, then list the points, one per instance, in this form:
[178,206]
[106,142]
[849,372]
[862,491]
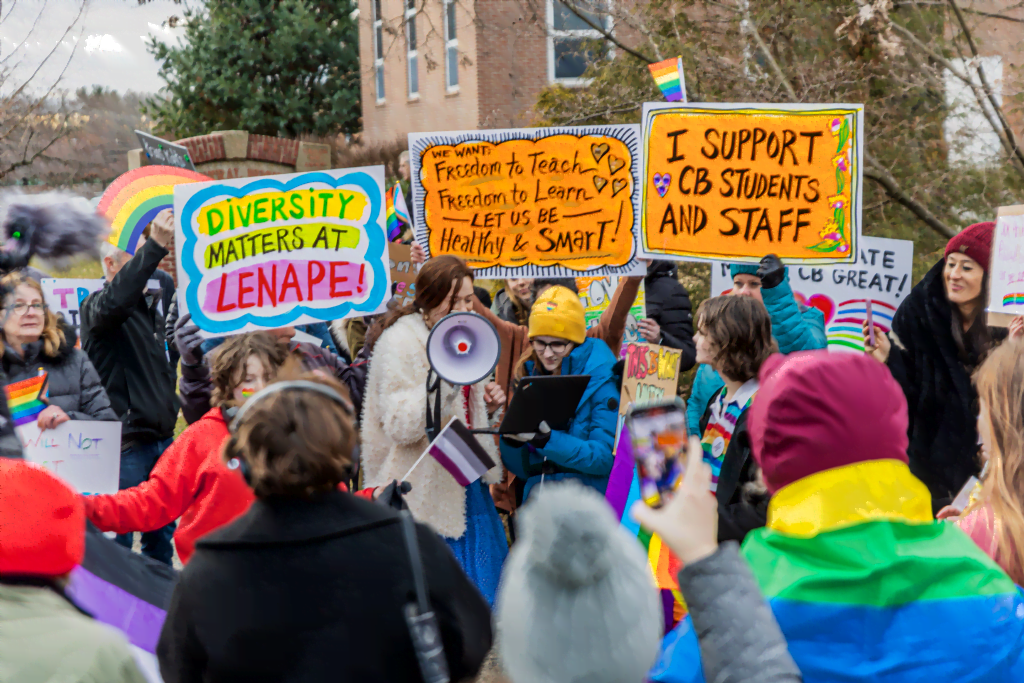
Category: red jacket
[188,481]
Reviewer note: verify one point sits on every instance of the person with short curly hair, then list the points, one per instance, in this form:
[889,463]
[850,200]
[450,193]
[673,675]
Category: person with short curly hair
[190,480]
[312,583]
[734,337]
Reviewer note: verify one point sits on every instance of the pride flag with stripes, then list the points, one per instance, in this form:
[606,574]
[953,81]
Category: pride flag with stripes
[670,78]
[867,586]
[1015,299]
[396,212]
[25,399]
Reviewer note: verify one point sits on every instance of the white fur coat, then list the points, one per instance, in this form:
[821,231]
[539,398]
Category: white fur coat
[394,420]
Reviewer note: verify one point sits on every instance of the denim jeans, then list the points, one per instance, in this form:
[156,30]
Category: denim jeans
[136,464]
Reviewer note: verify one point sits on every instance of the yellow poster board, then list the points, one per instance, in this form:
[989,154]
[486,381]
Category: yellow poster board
[738,181]
[545,202]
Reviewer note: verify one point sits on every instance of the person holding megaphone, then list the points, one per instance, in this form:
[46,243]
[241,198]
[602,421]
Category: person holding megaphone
[393,426]
[559,346]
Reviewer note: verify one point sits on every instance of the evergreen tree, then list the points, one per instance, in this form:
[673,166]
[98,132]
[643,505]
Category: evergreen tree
[272,67]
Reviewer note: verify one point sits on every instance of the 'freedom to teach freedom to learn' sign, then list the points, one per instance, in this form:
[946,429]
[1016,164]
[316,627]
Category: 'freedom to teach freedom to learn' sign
[554,202]
[738,181]
[282,250]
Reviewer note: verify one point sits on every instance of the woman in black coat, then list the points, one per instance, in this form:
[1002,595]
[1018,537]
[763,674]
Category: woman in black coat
[669,313]
[939,336]
[311,584]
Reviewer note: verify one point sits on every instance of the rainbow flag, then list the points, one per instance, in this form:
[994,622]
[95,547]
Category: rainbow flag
[623,490]
[25,399]
[1015,299]
[867,586]
[670,78]
[396,212]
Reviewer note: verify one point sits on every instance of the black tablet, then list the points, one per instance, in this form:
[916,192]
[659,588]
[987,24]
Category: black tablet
[550,398]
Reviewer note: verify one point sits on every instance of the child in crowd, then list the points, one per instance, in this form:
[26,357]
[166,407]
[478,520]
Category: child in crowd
[734,337]
[190,480]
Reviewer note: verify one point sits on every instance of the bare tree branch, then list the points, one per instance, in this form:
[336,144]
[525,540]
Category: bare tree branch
[881,175]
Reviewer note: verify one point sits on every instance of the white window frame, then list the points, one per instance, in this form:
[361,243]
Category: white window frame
[378,53]
[412,55]
[967,129]
[553,35]
[450,43]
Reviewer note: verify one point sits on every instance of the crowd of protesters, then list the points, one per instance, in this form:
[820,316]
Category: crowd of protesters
[291,495]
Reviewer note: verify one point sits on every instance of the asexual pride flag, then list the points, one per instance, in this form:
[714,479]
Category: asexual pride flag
[460,453]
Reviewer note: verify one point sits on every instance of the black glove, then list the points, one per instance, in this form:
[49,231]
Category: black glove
[188,340]
[771,272]
[392,494]
[537,439]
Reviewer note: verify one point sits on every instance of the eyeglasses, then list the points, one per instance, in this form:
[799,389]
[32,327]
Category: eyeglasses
[22,308]
[556,347]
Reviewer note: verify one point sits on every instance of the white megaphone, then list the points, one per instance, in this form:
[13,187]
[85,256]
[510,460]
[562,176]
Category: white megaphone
[462,349]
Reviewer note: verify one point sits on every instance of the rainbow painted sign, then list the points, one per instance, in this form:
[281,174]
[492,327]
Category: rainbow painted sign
[282,250]
[134,199]
[1006,273]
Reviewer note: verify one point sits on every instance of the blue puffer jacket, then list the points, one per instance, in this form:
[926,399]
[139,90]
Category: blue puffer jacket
[586,447]
[795,328]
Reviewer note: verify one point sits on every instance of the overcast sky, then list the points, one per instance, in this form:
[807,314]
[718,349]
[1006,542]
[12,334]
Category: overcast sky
[106,47]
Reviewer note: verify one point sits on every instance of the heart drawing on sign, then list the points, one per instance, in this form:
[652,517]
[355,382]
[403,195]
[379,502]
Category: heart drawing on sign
[820,301]
[618,186]
[614,164]
[599,183]
[599,150]
[661,183]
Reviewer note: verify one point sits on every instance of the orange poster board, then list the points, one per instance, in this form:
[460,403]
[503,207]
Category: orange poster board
[739,181]
[530,202]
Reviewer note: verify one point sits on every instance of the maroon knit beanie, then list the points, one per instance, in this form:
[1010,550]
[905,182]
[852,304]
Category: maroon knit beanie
[975,241]
[818,410]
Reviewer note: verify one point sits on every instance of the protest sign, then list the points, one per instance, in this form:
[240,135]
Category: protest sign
[85,454]
[596,296]
[650,375]
[282,250]
[160,151]
[64,296]
[530,202]
[737,181]
[403,273]
[882,273]
[1006,281]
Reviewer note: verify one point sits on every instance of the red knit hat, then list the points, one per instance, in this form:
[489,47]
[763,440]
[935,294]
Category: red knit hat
[817,410]
[975,241]
[42,522]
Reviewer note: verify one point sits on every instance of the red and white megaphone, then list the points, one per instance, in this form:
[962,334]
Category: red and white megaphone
[463,348]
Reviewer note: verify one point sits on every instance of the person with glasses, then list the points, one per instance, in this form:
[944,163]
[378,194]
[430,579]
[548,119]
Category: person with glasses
[559,346]
[34,346]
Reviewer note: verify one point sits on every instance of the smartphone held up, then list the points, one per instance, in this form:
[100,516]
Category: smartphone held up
[658,436]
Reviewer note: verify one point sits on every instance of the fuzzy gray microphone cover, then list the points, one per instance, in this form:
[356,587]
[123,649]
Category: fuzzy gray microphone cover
[54,226]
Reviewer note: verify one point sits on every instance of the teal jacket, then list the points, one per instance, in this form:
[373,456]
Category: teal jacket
[585,449]
[795,328]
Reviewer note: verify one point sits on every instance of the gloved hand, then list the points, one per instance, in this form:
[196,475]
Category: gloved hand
[188,340]
[392,494]
[771,271]
[537,439]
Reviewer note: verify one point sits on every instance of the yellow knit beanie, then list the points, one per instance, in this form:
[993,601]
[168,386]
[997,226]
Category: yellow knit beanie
[558,313]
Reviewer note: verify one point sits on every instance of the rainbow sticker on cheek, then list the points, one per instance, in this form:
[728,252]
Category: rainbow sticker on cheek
[247,393]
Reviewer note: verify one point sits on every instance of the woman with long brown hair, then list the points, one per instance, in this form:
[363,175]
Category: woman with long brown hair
[393,427]
[995,519]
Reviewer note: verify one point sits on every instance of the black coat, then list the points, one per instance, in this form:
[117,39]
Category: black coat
[738,512]
[314,590]
[941,400]
[124,336]
[668,304]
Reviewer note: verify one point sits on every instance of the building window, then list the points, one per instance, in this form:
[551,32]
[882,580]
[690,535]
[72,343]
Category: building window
[410,43]
[378,50]
[451,46]
[571,39]
[969,135]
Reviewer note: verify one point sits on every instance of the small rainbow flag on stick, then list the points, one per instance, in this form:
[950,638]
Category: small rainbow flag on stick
[670,78]
[396,211]
[25,399]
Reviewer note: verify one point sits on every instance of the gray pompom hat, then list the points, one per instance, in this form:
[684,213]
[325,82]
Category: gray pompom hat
[577,600]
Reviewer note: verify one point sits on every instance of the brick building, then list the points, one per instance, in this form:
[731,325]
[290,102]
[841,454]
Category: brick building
[238,154]
[432,65]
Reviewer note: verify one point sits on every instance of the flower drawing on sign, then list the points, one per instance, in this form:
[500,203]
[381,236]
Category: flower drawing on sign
[833,235]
